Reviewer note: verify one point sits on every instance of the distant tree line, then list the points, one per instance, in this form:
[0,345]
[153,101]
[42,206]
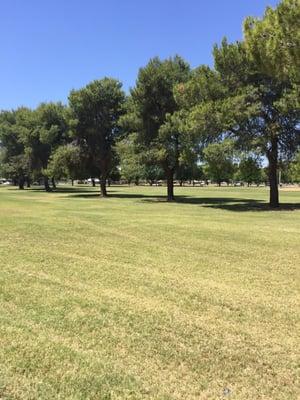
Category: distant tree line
[177,123]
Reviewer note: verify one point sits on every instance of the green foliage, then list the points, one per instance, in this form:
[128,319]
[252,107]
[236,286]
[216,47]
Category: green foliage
[96,111]
[240,101]
[28,138]
[153,173]
[65,162]
[294,169]
[249,169]
[204,84]
[131,166]
[153,96]
[15,160]
[160,133]
[264,116]
[218,159]
[16,168]
[189,172]
[273,42]
[47,128]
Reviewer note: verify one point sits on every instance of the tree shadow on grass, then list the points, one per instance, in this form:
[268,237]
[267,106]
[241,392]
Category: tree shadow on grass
[254,206]
[223,203]
[113,195]
[232,204]
[58,189]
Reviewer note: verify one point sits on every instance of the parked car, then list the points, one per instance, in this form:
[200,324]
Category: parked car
[96,180]
[5,182]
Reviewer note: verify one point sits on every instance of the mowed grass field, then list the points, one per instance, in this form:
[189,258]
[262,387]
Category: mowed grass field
[132,297]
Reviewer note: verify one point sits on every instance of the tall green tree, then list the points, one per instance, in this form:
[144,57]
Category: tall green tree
[273,41]
[96,111]
[65,162]
[218,159]
[294,169]
[249,169]
[154,107]
[259,111]
[15,160]
[239,101]
[130,161]
[45,129]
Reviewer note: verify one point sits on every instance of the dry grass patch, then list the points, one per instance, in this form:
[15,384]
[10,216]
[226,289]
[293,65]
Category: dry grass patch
[134,298]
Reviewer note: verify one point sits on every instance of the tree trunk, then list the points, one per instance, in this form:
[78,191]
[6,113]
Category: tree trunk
[21,183]
[93,182]
[103,187]
[53,183]
[273,181]
[72,180]
[28,182]
[170,184]
[46,184]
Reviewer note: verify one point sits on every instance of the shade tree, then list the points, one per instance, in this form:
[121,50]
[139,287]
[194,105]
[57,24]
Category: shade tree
[273,42]
[249,169]
[154,107]
[15,160]
[218,161]
[96,111]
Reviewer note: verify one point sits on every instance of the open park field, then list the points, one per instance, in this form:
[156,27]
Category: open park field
[131,297]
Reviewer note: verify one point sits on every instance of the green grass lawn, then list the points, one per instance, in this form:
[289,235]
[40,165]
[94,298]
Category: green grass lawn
[132,297]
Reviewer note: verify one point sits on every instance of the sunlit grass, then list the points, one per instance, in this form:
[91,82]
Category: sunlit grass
[132,297]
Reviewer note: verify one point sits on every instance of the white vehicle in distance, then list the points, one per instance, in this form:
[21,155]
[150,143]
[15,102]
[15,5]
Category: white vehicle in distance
[96,180]
[5,182]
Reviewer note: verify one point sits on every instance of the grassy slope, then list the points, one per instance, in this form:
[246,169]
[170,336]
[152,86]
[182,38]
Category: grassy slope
[134,298]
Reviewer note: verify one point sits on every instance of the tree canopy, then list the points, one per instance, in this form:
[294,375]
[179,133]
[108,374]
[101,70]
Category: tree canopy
[96,111]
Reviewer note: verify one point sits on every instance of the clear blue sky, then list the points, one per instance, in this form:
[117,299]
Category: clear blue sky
[49,47]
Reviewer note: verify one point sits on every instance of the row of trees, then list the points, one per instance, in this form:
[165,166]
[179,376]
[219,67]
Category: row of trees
[220,162]
[174,118]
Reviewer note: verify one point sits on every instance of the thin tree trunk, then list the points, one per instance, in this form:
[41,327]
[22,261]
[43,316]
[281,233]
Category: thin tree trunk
[72,180]
[46,184]
[28,182]
[273,180]
[170,184]
[103,187]
[21,183]
[53,183]
[93,182]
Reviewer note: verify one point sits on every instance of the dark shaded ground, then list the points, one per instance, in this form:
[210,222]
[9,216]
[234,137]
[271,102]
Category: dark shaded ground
[224,203]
